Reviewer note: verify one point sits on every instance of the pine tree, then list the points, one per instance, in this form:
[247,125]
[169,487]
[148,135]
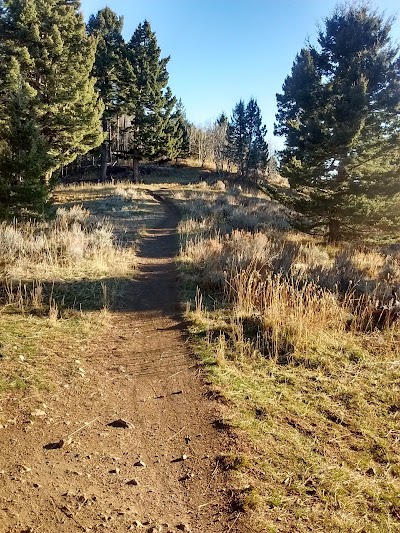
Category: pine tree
[237,137]
[113,73]
[179,136]
[48,40]
[152,102]
[257,149]
[339,112]
[220,130]
[247,148]
[23,154]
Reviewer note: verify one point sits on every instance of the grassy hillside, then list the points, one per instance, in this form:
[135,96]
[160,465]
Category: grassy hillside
[285,326]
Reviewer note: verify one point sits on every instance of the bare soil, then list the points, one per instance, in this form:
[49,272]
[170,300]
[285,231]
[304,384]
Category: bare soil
[159,474]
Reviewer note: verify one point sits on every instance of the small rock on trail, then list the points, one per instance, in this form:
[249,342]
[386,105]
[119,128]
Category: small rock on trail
[120,423]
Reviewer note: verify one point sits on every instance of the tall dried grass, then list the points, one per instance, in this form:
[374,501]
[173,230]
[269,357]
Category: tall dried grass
[233,230]
[317,400]
[74,245]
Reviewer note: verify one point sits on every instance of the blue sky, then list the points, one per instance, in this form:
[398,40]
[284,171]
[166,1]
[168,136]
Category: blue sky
[225,50]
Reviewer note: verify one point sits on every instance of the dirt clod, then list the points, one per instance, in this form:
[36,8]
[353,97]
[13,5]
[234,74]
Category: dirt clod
[120,424]
[183,527]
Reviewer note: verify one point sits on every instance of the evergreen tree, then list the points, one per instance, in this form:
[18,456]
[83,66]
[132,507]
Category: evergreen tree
[179,137]
[23,155]
[113,73]
[339,112]
[237,137]
[152,103]
[247,148]
[257,149]
[55,56]
[220,142]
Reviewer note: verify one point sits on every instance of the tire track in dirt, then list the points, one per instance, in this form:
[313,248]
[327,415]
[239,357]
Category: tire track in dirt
[140,371]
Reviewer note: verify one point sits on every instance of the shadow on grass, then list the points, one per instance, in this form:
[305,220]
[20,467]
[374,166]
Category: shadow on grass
[117,294]
[153,287]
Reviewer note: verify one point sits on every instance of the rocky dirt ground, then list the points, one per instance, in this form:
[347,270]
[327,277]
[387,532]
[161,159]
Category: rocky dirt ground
[133,444]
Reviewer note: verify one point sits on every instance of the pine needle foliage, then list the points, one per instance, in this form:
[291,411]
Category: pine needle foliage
[246,144]
[112,71]
[151,102]
[44,43]
[339,113]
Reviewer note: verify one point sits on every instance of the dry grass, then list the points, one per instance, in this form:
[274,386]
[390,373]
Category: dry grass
[316,406]
[57,279]
[72,246]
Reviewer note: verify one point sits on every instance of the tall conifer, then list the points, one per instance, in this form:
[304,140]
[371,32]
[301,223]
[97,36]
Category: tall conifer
[48,40]
[152,103]
[179,134]
[113,72]
[23,154]
[247,148]
[339,113]
[237,137]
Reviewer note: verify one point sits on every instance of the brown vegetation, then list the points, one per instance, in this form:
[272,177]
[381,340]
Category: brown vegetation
[313,400]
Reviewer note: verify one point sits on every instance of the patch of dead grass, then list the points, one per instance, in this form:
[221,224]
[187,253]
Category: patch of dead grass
[316,407]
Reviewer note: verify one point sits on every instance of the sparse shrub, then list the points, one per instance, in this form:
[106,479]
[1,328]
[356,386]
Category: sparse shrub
[65,218]
[129,194]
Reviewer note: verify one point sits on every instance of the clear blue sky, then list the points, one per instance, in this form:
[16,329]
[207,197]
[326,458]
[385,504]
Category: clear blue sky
[225,50]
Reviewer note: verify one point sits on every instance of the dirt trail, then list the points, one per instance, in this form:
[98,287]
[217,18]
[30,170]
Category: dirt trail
[141,372]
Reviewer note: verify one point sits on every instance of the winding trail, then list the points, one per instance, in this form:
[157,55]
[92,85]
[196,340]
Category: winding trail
[140,371]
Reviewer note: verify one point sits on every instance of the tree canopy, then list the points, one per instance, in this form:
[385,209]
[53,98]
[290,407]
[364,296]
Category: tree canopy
[47,57]
[339,113]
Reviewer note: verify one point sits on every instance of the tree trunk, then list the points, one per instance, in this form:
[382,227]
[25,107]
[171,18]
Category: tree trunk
[333,230]
[48,176]
[135,167]
[110,153]
[103,165]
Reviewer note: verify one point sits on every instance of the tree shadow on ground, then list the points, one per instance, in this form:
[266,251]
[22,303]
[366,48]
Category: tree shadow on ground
[115,294]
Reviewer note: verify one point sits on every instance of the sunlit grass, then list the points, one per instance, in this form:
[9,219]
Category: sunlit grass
[315,405]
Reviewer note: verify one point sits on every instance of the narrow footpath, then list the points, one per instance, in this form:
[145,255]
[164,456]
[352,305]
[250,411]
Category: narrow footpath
[159,472]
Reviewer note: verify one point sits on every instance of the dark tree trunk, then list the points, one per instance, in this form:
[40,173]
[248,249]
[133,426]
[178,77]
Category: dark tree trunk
[110,153]
[333,230]
[103,164]
[135,167]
